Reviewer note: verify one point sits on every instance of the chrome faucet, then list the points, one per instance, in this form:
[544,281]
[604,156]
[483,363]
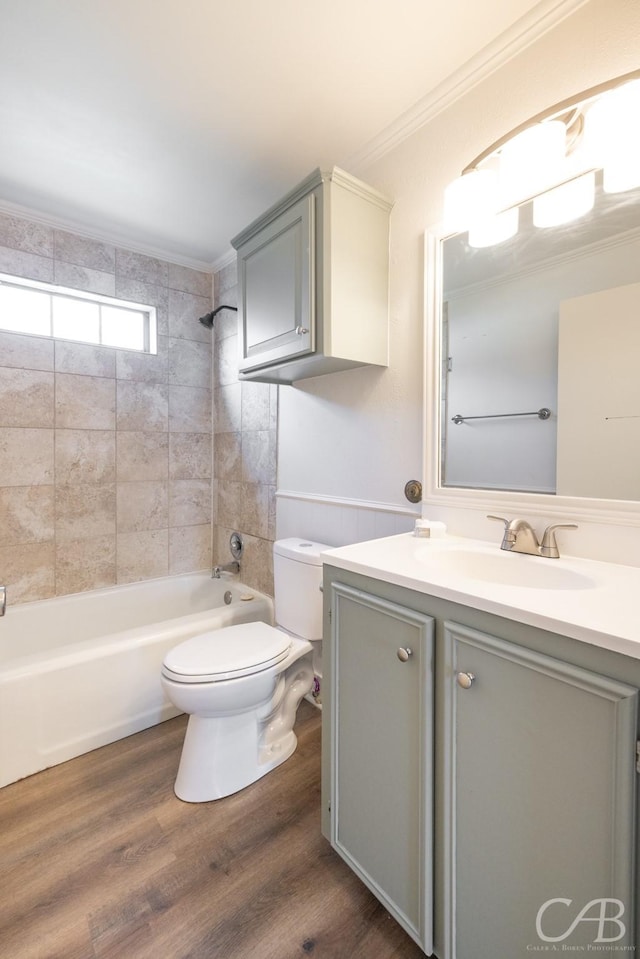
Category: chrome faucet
[3,600]
[520,537]
[233,567]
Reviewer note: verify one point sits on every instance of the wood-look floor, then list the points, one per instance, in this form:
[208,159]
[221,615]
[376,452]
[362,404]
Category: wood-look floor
[99,860]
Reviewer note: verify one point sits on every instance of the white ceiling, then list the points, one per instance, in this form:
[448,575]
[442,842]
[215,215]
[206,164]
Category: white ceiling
[170,124]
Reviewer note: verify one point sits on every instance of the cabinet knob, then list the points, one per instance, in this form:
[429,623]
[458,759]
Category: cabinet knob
[403,654]
[465,680]
[300,330]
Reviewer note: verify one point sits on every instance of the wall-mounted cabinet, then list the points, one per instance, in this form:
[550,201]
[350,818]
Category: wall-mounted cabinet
[480,775]
[313,280]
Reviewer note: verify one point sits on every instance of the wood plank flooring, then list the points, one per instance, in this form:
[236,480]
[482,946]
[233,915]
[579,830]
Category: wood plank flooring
[100,860]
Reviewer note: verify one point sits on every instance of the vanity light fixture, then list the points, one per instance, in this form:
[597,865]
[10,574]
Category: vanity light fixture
[551,159]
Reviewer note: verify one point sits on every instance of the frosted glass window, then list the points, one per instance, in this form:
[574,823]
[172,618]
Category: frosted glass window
[25,311]
[124,328]
[43,309]
[76,319]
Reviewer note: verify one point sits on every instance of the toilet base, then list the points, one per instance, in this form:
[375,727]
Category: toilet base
[223,754]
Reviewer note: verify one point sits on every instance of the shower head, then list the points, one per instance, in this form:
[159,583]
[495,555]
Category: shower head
[208,318]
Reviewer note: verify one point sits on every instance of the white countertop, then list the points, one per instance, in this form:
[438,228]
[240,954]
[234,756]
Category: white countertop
[601,607]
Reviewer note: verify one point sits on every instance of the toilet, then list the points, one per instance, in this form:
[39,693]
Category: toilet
[241,685]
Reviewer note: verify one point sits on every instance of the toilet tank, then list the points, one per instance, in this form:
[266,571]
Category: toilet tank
[297,576]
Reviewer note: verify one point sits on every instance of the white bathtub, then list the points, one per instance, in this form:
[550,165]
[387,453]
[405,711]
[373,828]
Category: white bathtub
[81,671]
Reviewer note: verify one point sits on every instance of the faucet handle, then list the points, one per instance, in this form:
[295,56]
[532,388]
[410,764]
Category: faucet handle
[501,519]
[549,546]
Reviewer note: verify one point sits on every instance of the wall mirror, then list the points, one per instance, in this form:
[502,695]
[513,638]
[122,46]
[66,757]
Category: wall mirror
[533,319]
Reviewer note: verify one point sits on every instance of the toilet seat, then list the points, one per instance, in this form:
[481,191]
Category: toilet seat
[226,653]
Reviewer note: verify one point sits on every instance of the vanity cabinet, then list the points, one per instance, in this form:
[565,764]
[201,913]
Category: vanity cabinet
[313,280]
[383,736]
[496,777]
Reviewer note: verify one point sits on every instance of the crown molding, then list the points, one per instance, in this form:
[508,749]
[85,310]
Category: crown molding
[226,259]
[542,18]
[113,239]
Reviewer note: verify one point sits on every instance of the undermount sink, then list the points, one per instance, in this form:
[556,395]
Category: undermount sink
[492,565]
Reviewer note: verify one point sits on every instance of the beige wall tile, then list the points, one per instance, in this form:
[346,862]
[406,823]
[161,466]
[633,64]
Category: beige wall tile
[254,516]
[259,457]
[26,457]
[190,456]
[26,515]
[137,266]
[142,406]
[85,456]
[144,367]
[226,279]
[189,502]
[227,457]
[142,506]
[257,564]
[83,251]
[83,278]
[19,234]
[142,555]
[229,504]
[225,361]
[189,549]
[227,408]
[148,294]
[85,564]
[84,359]
[85,512]
[26,352]
[256,406]
[85,402]
[189,409]
[273,406]
[185,310]
[271,526]
[189,363]
[142,456]
[26,398]
[29,265]
[28,572]
[190,281]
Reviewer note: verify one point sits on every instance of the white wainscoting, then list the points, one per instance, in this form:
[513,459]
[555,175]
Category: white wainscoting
[339,521]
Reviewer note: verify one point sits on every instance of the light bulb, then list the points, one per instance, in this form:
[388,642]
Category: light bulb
[613,135]
[565,203]
[469,199]
[530,162]
[495,230]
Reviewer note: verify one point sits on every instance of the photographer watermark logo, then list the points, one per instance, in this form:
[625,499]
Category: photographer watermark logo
[605,914]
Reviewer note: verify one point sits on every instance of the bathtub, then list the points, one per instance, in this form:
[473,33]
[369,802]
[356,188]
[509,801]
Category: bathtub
[81,671]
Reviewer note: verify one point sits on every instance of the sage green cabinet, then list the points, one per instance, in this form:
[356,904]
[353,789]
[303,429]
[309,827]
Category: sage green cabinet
[313,281]
[382,722]
[489,797]
[539,800]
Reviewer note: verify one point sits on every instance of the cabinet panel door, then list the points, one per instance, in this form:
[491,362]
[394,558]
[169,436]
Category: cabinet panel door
[382,752]
[276,280]
[539,802]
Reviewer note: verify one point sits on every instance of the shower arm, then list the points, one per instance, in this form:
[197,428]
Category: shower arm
[208,318]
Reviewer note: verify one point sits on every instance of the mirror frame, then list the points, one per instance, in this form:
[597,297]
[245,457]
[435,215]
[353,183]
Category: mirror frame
[610,511]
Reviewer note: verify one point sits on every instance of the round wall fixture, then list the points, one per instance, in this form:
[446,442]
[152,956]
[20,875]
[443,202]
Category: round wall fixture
[413,491]
[236,545]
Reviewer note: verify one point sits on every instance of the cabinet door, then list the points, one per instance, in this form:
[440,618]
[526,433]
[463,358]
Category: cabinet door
[539,803]
[276,281]
[382,752]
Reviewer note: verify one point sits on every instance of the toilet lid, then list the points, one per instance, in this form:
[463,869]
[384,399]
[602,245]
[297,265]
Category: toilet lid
[226,653]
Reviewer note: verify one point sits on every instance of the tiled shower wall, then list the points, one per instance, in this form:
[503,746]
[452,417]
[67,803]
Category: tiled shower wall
[245,424]
[105,455]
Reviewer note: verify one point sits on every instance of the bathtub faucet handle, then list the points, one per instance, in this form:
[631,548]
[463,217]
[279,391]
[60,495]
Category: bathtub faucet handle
[3,600]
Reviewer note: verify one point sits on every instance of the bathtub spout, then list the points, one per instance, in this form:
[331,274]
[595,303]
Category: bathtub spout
[233,567]
[3,600]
